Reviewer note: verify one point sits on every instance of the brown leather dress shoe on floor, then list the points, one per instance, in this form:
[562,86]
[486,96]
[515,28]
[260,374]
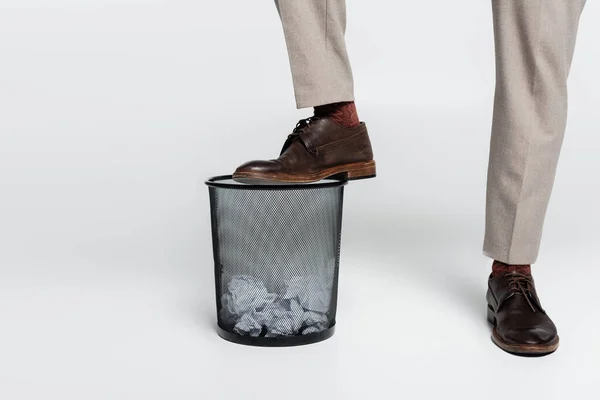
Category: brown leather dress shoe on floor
[318,148]
[521,326]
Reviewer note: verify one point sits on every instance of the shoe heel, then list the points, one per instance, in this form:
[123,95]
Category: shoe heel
[361,170]
[491,317]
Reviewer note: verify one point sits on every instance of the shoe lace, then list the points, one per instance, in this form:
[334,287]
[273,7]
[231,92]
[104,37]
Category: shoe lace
[301,126]
[520,283]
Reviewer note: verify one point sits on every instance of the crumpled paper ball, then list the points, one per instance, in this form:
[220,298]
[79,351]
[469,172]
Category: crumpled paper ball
[248,325]
[310,292]
[245,294]
[315,322]
[283,318]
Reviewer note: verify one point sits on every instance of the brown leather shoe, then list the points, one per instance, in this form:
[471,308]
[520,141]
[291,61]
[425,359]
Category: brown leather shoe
[318,148]
[521,326]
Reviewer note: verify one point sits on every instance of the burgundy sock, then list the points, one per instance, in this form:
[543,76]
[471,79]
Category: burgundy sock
[342,113]
[500,267]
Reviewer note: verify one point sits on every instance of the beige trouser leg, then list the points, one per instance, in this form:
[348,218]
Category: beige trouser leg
[535,40]
[314,33]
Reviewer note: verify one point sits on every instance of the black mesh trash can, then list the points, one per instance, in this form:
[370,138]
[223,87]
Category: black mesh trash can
[276,251]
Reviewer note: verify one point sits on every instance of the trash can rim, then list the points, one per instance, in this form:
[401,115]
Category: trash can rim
[215,181]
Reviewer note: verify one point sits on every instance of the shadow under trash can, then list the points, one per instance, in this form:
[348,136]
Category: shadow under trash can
[276,251]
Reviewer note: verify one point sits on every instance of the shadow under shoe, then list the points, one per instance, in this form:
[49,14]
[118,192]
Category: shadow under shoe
[521,325]
[318,148]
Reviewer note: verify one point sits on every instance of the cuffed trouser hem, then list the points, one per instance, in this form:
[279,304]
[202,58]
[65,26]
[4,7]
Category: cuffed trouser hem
[521,256]
[319,99]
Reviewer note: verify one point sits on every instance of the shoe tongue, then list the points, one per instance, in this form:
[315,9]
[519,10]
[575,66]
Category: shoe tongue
[519,269]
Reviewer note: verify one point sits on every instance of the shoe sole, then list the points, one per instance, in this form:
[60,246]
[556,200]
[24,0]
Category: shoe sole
[350,172]
[532,350]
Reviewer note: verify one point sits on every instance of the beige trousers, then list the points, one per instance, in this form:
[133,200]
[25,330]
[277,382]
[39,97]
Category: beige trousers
[314,33]
[534,40]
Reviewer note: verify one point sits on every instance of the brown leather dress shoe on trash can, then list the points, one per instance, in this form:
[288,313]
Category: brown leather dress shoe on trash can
[318,148]
[521,326]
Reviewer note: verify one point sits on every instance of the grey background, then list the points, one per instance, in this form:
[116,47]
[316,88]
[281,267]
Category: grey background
[112,113]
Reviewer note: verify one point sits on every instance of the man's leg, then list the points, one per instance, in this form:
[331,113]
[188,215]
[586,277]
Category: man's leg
[535,40]
[314,33]
[333,142]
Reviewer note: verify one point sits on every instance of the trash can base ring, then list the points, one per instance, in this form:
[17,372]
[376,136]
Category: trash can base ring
[278,341]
